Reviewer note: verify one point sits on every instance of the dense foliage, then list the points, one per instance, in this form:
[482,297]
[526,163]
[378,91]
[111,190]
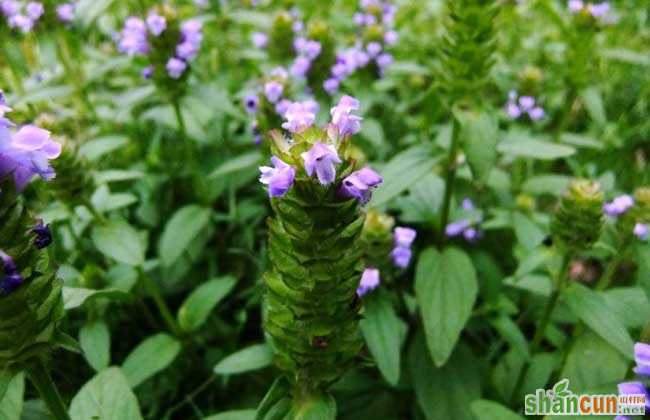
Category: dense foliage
[293,209]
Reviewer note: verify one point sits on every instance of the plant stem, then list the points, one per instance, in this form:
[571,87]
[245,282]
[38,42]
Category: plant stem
[152,288]
[540,332]
[179,117]
[450,180]
[47,390]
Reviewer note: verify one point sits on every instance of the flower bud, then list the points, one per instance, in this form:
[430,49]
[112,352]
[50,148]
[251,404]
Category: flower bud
[578,220]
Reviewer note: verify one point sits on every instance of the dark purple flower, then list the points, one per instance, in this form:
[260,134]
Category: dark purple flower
[11,279]
[299,117]
[147,72]
[321,159]
[359,184]
[279,178]
[43,235]
[251,103]
[641,231]
[176,67]
[369,281]
[342,120]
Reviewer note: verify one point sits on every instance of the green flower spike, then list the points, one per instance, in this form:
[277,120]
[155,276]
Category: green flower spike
[579,219]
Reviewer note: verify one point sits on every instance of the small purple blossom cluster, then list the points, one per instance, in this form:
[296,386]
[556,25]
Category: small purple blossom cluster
[65,12]
[596,10]
[374,14]
[619,206]
[402,253]
[518,106]
[468,227]
[22,15]
[134,40]
[25,152]
[321,160]
[642,359]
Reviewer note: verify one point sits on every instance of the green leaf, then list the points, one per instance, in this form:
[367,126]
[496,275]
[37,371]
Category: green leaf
[535,149]
[490,410]
[594,103]
[444,393]
[96,148]
[403,171]
[87,11]
[546,184]
[120,241]
[528,233]
[11,400]
[197,307]
[150,357]
[510,331]
[74,297]
[183,228]
[107,396]
[319,407]
[251,358]
[239,163]
[446,289]
[588,305]
[589,351]
[234,415]
[479,133]
[276,399]
[384,332]
[95,341]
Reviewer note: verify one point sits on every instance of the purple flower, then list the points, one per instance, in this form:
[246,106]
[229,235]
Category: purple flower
[65,12]
[331,86]
[133,38]
[342,120]
[471,234]
[251,103]
[299,117]
[359,184]
[619,205]
[384,61]
[27,153]
[404,237]
[642,358]
[273,91]
[300,67]
[359,19]
[147,72]
[634,388]
[599,10]
[175,67]
[156,24]
[43,235]
[191,38]
[34,10]
[297,26]
[10,7]
[260,39]
[513,110]
[370,19]
[536,113]
[322,160]
[186,51]
[282,107]
[526,103]
[468,204]
[641,231]
[21,22]
[12,278]
[457,228]
[279,178]
[373,48]
[369,281]
[576,6]
[4,108]
[401,256]
[279,73]
[312,49]
[391,37]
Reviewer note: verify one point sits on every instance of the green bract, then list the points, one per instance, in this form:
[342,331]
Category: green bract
[579,218]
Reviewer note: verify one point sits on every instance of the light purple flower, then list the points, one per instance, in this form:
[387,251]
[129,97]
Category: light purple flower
[260,39]
[641,231]
[279,73]
[468,204]
[342,120]
[359,19]
[537,113]
[576,6]
[369,281]
[526,103]
[23,23]
[634,388]
[391,37]
[176,67]
[27,153]
[312,49]
[297,26]
[470,234]
[10,7]
[370,19]
[404,236]
[321,159]
[299,118]
[282,107]
[619,205]
[273,91]
[251,103]
[311,105]
[359,185]
[187,50]
[300,67]
[331,86]
[133,38]
[457,228]
[34,10]
[642,358]
[279,178]
[599,10]
[401,256]
[65,12]
[513,110]
[373,48]
[156,24]
[147,72]
[384,61]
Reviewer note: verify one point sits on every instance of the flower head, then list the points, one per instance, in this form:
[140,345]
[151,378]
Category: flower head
[369,281]
[321,159]
[251,103]
[359,184]
[401,256]
[619,206]
[176,67]
[65,12]
[11,279]
[331,86]
[282,107]
[457,228]
[641,231]
[34,10]
[43,235]
[279,178]
[300,67]
[634,388]
[299,117]
[342,119]
[133,38]
[404,236]
[156,24]
[260,39]
[273,91]
[576,6]
[373,48]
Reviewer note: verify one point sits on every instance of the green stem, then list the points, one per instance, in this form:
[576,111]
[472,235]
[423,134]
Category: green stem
[608,275]
[179,117]
[47,390]
[152,288]
[540,332]
[450,181]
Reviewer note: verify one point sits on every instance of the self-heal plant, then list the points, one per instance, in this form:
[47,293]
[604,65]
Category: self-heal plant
[312,309]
